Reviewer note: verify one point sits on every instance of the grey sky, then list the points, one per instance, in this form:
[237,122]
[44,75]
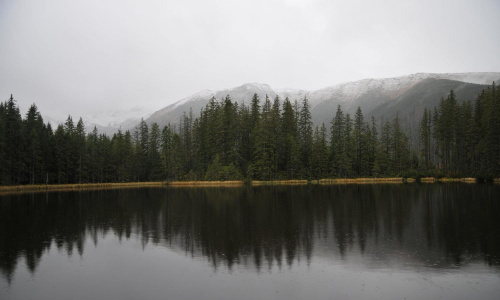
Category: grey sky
[76,57]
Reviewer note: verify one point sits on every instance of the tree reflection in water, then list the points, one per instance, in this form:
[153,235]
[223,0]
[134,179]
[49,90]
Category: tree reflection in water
[437,225]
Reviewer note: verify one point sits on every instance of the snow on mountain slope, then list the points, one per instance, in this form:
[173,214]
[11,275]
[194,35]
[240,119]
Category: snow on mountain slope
[367,93]
[392,87]
[107,122]
[118,117]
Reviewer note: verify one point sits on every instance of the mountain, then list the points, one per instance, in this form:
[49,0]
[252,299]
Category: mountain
[242,94]
[107,122]
[382,98]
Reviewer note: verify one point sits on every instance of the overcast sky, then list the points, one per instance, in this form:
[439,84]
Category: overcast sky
[76,57]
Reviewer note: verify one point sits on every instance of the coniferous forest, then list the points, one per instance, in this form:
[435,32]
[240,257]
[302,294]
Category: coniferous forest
[270,139]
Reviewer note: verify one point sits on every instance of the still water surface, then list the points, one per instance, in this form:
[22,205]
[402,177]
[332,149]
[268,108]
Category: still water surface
[437,241]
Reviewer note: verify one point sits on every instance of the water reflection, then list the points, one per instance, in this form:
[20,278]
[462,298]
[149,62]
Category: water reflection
[402,226]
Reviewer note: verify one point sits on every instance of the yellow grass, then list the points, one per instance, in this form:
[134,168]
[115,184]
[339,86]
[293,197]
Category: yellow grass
[361,180]
[205,183]
[465,180]
[427,180]
[78,186]
[235,183]
[280,182]
[469,180]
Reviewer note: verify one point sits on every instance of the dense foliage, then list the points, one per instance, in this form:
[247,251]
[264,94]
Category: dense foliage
[463,139]
[266,141]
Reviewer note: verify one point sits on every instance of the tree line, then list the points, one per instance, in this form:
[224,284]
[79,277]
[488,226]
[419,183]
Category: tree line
[463,139]
[264,140]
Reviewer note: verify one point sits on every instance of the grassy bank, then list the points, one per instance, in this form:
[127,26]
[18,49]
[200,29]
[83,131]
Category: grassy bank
[361,180]
[77,186]
[446,179]
[205,183]
[234,183]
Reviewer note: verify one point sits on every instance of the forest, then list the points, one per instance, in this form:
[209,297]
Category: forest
[268,139]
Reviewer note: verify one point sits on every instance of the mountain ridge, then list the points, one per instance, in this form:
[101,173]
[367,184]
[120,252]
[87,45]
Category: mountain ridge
[368,93]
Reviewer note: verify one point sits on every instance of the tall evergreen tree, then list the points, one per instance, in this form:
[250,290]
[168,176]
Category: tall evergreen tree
[360,143]
[305,137]
[319,157]
[289,151]
[78,141]
[337,143]
[33,131]
[400,148]
[264,145]
[13,142]
[155,172]
[425,139]
[372,145]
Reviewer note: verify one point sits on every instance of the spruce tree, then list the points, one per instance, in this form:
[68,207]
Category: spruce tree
[78,141]
[155,172]
[264,145]
[305,137]
[289,155]
[337,155]
[319,157]
[425,140]
[13,142]
[360,143]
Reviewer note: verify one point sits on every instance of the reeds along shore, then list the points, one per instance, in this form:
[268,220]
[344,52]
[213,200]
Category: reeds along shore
[234,183]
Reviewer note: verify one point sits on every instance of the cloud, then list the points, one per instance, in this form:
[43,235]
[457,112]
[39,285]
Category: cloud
[82,56]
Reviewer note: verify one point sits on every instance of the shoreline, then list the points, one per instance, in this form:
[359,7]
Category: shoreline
[231,183]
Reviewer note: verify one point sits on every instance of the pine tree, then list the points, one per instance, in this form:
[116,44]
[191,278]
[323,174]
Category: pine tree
[122,155]
[372,146]
[305,137]
[360,143]
[13,142]
[348,148]
[155,172]
[167,155]
[425,140]
[275,120]
[337,155]
[92,155]
[176,156]
[289,155]
[3,167]
[384,164]
[319,157]
[400,148]
[70,158]
[142,151]
[264,145]
[228,132]
[61,154]
[445,132]
[33,131]
[469,129]
[244,136]
[78,141]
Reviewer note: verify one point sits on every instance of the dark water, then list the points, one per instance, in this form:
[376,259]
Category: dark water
[438,241]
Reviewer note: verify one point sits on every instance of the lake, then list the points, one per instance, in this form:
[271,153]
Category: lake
[386,241]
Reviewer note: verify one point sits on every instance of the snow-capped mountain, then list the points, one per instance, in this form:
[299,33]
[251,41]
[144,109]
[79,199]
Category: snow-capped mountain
[241,94]
[382,98]
[369,94]
[108,122]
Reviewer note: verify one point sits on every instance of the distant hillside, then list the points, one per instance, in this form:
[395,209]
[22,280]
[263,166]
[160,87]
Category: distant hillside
[427,93]
[382,98]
